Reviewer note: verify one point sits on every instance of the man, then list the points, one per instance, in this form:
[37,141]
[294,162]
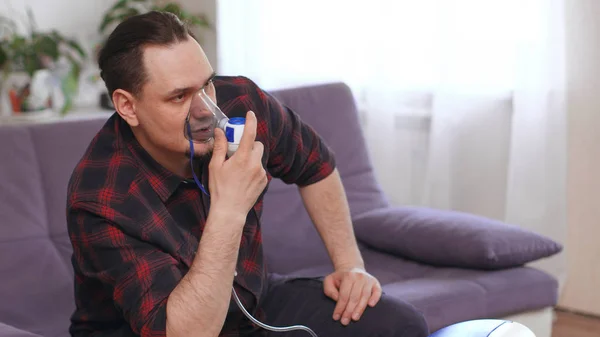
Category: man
[155,256]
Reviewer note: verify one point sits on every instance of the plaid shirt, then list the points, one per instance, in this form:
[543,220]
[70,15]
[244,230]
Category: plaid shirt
[135,227]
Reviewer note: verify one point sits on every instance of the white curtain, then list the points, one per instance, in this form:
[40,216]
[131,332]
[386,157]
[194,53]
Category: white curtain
[472,92]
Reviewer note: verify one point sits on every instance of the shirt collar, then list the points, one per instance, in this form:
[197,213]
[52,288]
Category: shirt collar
[163,181]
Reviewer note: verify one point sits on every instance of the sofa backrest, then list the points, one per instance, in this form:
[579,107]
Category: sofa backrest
[290,240]
[36,279]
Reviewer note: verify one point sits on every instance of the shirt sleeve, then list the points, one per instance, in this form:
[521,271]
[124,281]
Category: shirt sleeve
[297,154]
[140,276]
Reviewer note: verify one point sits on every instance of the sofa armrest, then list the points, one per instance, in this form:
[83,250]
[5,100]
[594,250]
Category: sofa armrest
[451,239]
[10,331]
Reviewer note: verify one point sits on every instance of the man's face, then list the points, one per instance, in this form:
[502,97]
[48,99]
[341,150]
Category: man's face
[175,76]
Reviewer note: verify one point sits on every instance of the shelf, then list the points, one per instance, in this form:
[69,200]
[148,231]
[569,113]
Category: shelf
[49,116]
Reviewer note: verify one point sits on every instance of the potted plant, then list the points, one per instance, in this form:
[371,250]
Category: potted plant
[49,56]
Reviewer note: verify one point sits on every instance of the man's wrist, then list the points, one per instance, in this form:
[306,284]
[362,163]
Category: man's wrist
[226,216]
[349,265]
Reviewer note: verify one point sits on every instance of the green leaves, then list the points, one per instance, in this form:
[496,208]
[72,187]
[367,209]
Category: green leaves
[22,55]
[199,20]
[45,45]
[7,28]
[3,57]
[116,16]
[170,7]
[69,88]
[123,9]
[29,54]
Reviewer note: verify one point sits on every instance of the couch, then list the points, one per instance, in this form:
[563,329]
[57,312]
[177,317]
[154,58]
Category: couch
[452,266]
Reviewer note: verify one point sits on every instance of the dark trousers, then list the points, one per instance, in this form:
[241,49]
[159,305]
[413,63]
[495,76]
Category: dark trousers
[303,302]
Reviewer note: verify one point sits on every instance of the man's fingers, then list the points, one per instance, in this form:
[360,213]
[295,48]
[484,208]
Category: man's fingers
[344,297]
[355,296]
[220,148]
[330,289]
[258,150]
[364,298]
[375,295]
[249,134]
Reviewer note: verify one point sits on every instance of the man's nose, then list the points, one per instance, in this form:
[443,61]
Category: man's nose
[198,108]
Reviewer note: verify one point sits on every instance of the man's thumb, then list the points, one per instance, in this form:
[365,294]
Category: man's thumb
[330,289]
[220,146]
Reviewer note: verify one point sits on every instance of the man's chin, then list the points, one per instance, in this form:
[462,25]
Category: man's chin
[202,151]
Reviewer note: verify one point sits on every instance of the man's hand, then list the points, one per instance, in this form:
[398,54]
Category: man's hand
[200,301]
[236,183]
[352,290]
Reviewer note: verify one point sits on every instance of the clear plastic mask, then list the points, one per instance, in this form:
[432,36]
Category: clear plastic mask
[203,117]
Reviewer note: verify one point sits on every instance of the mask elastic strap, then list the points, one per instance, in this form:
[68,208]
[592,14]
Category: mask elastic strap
[189,129]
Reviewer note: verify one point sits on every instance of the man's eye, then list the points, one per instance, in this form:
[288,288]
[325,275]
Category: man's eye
[209,88]
[179,98]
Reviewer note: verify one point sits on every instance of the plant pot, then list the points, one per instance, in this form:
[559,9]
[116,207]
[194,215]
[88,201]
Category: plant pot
[9,84]
[21,94]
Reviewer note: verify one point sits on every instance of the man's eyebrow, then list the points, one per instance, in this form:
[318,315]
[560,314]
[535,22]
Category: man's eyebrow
[184,90]
[177,91]
[210,78]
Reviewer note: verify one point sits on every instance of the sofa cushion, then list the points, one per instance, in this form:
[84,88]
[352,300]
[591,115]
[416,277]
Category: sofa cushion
[452,239]
[451,295]
[36,288]
[59,146]
[22,205]
[35,268]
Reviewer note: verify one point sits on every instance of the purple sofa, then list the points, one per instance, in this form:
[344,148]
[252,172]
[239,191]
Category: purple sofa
[452,266]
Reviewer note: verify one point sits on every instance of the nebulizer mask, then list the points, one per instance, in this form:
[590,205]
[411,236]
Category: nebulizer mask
[203,117]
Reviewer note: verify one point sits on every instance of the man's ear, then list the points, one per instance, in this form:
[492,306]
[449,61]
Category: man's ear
[124,103]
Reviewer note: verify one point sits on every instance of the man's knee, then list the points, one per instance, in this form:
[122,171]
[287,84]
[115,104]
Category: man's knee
[393,317]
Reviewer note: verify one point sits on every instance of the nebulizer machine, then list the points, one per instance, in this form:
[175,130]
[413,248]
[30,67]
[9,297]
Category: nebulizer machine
[199,128]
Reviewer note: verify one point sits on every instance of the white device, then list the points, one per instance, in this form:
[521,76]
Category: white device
[512,329]
[485,328]
[234,128]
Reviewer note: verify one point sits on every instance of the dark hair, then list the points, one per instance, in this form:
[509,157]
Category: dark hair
[121,58]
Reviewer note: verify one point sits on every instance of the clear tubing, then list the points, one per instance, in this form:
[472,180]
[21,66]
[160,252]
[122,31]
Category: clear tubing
[269,327]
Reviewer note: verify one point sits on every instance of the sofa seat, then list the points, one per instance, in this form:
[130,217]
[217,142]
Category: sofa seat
[11,331]
[451,295]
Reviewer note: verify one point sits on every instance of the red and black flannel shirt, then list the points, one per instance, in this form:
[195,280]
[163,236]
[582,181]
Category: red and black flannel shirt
[135,226]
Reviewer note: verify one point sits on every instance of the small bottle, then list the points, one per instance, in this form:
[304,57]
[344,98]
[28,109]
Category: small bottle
[233,132]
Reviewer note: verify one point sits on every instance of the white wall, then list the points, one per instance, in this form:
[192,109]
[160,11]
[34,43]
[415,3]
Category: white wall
[208,37]
[581,292]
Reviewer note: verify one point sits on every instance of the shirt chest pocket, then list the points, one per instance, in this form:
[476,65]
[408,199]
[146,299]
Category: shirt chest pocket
[186,220]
